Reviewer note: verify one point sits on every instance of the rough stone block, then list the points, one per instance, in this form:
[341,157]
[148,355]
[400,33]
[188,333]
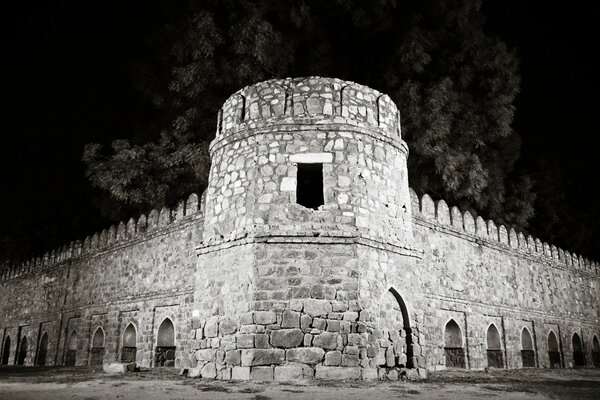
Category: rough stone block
[252,357]
[206,354]
[240,373]
[350,360]
[317,308]
[194,372]
[319,323]
[368,374]
[333,358]
[118,368]
[209,370]
[288,373]
[287,338]
[326,340]
[264,317]
[290,319]
[211,328]
[233,357]
[333,325]
[305,323]
[305,355]
[261,373]
[245,341]
[337,373]
[261,341]
[227,326]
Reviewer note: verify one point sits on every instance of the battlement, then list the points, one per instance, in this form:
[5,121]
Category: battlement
[440,214]
[314,99]
[116,235]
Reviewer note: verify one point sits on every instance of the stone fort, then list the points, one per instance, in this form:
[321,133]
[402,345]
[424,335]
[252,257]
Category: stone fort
[307,256]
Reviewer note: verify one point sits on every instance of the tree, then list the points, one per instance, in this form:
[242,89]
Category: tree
[454,85]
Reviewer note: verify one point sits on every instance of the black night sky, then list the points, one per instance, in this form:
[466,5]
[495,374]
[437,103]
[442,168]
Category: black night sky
[66,69]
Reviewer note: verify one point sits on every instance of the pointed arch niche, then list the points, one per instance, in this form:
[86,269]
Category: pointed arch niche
[395,322]
[494,348]
[553,351]
[596,352]
[6,350]
[42,351]
[527,352]
[97,350]
[129,348]
[71,353]
[22,354]
[578,354]
[164,354]
[453,345]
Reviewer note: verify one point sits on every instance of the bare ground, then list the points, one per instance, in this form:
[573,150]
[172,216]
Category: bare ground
[80,383]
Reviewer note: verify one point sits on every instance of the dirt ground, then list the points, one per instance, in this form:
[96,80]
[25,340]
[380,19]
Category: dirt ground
[18,383]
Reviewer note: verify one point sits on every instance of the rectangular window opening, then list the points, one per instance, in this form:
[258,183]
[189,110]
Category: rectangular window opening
[309,192]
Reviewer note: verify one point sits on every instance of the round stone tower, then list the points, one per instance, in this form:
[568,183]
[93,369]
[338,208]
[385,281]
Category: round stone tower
[307,201]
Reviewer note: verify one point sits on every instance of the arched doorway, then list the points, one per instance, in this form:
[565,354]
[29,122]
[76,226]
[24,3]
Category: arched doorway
[164,355]
[395,323]
[453,347]
[553,352]
[494,348]
[42,351]
[22,351]
[6,350]
[129,349]
[595,351]
[578,354]
[527,352]
[97,351]
[71,354]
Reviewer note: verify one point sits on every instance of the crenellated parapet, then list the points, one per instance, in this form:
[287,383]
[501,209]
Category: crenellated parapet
[439,213]
[314,99]
[134,229]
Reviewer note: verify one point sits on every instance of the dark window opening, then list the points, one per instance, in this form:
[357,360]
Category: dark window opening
[309,192]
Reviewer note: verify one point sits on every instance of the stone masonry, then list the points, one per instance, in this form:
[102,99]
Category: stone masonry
[249,282]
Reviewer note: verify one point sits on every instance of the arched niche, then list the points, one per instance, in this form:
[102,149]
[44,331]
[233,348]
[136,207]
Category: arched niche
[22,354]
[395,322]
[71,352]
[527,352]
[164,354]
[97,350]
[494,348]
[553,351]
[596,351]
[129,348]
[453,345]
[6,350]
[578,354]
[42,350]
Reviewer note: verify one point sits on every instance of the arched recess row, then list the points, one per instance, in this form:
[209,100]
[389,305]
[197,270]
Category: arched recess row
[578,353]
[42,352]
[6,351]
[553,351]
[71,351]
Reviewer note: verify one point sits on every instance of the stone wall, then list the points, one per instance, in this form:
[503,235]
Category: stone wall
[367,285]
[136,273]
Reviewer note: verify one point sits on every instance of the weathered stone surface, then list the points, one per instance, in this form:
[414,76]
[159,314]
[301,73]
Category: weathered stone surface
[337,373]
[118,368]
[252,357]
[287,338]
[194,372]
[333,358]
[240,373]
[206,355]
[264,317]
[305,355]
[209,371]
[233,357]
[317,308]
[261,373]
[287,373]
[326,340]
[227,326]
[290,319]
